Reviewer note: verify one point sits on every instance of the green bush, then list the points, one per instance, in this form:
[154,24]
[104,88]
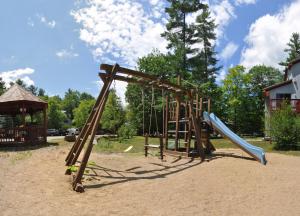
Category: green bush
[285,128]
[126,131]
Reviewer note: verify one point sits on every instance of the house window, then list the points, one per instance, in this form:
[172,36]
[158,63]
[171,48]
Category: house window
[283,96]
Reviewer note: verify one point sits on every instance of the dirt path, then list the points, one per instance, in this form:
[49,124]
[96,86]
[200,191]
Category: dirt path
[33,183]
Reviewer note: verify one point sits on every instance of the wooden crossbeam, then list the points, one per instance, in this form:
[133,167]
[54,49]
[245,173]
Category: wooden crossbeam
[139,74]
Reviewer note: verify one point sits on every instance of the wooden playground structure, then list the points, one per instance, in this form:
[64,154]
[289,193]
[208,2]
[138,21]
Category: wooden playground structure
[184,131]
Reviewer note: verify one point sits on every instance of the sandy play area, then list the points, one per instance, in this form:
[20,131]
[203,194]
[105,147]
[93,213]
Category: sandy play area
[33,183]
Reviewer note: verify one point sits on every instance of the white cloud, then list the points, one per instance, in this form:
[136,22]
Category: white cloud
[268,36]
[229,50]
[240,2]
[121,29]
[66,53]
[13,75]
[221,76]
[223,13]
[30,22]
[44,20]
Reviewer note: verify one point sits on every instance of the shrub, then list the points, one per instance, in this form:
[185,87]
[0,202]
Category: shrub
[126,131]
[285,128]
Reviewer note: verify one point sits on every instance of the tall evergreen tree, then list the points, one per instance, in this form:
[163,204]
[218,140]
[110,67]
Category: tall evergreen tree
[32,89]
[293,49]
[204,61]
[179,34]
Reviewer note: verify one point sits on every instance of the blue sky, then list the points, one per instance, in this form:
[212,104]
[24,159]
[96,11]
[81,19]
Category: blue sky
[58,45]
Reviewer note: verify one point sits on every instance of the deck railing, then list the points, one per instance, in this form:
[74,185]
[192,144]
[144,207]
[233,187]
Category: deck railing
[28,134]
[276,104]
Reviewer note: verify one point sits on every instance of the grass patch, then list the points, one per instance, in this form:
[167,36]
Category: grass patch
[266,145]
[112,145]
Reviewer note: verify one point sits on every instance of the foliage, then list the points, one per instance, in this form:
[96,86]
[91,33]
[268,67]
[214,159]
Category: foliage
[2,86]
[86,96]
[157,64]
[285,128]
[41,92]
[236,94]
[82,112]
[70,102]
[56,117]
[293,49]
[126,131]
[203,63]
[20,83]
[261,77]
[32,89]
[113,115]
[178,33]
[72,168]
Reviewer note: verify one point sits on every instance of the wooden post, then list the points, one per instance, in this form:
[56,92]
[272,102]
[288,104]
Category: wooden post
[201,106]
[85,132]
[161,147]
[77,186]
[177,116]
[208,105]
[146,144]
[185,123]
[45,123]
[197,105]
[197,129]
[166,121]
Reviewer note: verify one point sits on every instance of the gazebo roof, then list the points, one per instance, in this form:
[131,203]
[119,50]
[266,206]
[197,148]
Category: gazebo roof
[18,93]
[16,97]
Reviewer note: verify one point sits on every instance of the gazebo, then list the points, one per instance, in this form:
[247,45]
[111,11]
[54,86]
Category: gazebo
[23,117]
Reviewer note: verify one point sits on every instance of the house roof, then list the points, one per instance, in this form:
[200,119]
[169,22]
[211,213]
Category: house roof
[277,85]
[290,65]
[18,93]
[295,61]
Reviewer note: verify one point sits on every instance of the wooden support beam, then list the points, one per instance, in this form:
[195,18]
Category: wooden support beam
[146,145]
[145,76]
[166,121]
[85,132]
[177,116]
[196,129]
[45,123]
[98,114]
[161,147]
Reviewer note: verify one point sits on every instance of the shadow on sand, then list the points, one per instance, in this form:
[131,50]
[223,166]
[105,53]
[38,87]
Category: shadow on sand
[109,176]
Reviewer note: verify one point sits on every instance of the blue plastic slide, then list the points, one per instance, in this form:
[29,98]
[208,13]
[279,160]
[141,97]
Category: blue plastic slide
[256,152]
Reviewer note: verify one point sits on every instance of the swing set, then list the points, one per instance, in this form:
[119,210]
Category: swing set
[184,133]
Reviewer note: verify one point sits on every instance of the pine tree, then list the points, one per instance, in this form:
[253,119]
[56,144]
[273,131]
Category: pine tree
[293,49]
[179,34]
[2,86]
[204,59]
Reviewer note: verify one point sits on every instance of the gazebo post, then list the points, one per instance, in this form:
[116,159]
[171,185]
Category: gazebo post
[23,111]
[45,123]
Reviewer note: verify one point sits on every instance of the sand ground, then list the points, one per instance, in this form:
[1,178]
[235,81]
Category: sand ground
[33,183]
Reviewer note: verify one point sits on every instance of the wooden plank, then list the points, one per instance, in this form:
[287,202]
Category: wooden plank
[197,129]
[85,132]
[166,121]
[139,74]
[146,145]
[89,148]
[177,116]
[141,81]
